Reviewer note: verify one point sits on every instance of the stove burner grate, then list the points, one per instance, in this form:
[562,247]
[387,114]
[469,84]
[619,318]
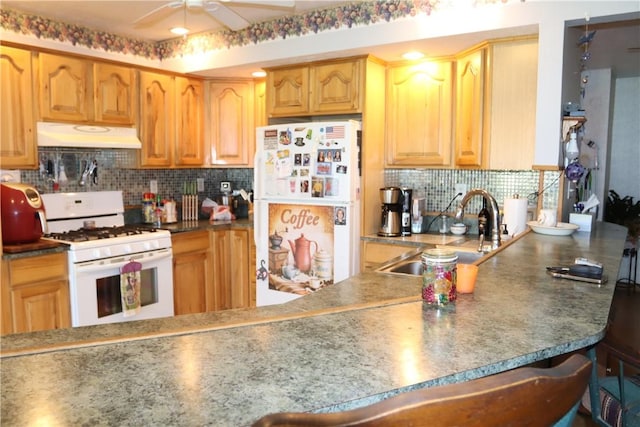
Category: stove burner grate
[87,234]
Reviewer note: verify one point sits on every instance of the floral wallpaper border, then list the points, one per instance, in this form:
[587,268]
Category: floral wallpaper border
[345,16]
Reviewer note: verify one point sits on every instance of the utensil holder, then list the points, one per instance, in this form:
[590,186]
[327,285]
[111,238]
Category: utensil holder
[189,207]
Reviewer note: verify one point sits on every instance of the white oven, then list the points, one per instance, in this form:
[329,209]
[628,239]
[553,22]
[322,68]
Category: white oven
[100,248]
[95,285]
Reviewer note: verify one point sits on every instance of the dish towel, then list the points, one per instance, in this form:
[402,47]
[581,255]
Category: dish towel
[130,288]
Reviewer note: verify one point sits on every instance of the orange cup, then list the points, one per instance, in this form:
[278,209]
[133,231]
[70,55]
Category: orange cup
[467,274]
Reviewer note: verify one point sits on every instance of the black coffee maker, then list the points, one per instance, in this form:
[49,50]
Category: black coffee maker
[405,200]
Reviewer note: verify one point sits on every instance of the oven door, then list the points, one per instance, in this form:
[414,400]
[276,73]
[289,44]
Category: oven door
[95,288]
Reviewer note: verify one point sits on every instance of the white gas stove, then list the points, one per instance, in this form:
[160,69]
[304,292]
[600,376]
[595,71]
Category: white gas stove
[100,245]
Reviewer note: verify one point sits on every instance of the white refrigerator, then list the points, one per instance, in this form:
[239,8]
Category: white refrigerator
[306,207]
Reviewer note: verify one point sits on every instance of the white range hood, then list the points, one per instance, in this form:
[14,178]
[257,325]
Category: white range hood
[86,136]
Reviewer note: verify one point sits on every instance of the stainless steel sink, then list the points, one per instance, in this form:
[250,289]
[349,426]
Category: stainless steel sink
[413,265]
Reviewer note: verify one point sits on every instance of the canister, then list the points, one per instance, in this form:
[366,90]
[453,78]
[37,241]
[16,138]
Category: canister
[439,277]
[148,207]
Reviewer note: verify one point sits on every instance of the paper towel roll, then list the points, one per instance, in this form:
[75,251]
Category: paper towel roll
[515,215]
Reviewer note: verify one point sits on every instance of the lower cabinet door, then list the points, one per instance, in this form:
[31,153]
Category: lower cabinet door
[41,307]
[189,278]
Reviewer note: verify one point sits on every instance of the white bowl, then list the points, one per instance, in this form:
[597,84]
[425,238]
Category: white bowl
[458,229]
[561,228]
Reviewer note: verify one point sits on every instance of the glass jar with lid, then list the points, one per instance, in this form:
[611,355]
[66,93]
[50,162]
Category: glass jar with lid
[439,277]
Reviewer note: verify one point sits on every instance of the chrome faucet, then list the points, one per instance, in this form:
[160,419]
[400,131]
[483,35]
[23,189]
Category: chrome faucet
[495,215]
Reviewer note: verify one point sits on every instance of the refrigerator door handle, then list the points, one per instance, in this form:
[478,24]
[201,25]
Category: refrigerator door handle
[257,178]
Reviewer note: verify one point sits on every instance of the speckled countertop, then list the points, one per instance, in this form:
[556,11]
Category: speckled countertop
[357,342]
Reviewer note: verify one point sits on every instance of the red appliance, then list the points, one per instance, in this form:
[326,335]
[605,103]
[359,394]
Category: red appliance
[23,214]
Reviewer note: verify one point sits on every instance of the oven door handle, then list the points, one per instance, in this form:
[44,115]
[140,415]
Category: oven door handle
[145,258]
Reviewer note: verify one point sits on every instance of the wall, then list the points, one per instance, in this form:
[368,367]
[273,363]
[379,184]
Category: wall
[624,160]
[624,166]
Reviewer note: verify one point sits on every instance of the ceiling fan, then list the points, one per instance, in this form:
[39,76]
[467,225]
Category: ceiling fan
[216,9]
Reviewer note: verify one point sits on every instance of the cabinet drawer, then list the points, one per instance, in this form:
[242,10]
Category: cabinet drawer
[190,241]
[36,269]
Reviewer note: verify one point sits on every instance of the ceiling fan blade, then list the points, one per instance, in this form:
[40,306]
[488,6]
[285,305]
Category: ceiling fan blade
[226,16]
[158,13]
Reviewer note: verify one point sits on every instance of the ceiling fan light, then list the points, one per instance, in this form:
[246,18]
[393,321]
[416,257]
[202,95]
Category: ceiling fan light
[180,31]
[413,55]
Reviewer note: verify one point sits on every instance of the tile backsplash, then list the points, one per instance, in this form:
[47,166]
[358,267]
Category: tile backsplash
[116,171]
[438,185]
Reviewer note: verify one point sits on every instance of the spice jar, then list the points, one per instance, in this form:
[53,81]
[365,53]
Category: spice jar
[439,277]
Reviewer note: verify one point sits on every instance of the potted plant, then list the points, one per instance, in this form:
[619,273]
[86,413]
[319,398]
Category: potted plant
[624,212]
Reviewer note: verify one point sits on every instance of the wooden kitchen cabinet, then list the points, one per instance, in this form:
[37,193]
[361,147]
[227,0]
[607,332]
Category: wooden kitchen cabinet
[157,119]
[240,262]
[115,94]
[189,145]
[17,130]
[65,88]
[35,294]
[496,103]
[288,92]
[510,121]
[419,114]
[79,90]
[233,263]
[193,290]
[336,87]
[221,269]
[260,103]
[328,87]
[468,143]
[232,126]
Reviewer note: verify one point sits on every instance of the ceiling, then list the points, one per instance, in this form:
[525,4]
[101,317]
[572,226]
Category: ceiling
[615,45]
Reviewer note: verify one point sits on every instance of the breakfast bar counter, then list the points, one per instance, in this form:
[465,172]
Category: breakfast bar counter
[354,343]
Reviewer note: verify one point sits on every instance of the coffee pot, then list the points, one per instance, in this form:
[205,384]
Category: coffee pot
[301,249]
[391,218]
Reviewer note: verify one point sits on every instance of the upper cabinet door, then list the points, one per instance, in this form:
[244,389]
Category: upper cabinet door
[17,136]
[114,94]
[469,109]
[64,86]
[419,114]
[288,92]
[157,119]
[511,120]
[336,87]
[189,149]
[232,123]
[260,104]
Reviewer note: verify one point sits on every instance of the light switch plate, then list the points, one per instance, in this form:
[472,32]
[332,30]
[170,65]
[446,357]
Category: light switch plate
[225,187]
[9,175]
[461,188]
[200,184]
[153,186]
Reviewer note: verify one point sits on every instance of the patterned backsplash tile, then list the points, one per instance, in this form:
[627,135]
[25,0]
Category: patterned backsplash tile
[437,186]
[116,171]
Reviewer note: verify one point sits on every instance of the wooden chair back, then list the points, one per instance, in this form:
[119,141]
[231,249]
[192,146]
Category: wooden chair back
[520,397]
